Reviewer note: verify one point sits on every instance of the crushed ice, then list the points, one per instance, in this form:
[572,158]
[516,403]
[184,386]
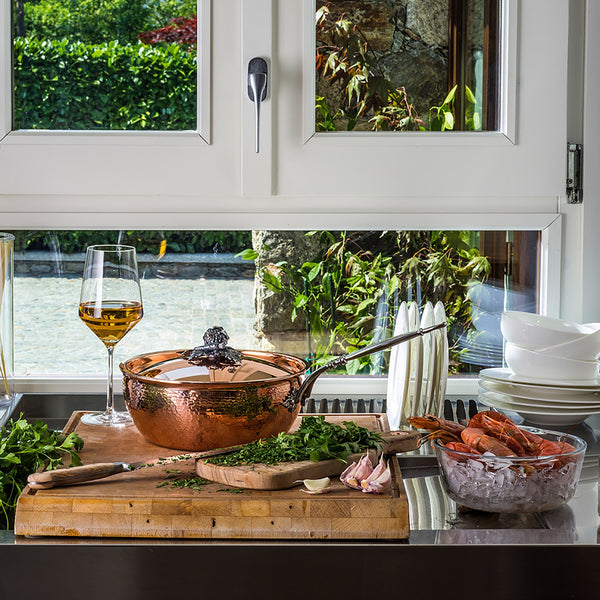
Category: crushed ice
[492,484]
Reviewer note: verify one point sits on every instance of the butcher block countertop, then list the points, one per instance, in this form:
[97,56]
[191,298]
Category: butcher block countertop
[144,504]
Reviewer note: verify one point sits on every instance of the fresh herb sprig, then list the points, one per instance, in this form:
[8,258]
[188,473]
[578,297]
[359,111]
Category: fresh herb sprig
[316,439]
[24,448]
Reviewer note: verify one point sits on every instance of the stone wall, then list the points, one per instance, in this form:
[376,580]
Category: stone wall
[410,38]
[273,325]
[170,266]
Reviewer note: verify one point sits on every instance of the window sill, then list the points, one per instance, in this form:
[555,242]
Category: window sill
[324,386]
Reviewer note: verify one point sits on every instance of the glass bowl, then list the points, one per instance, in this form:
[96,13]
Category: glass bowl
[512,484]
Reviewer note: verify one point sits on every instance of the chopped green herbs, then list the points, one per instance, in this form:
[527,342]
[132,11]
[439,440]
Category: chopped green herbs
[24,448]
[192,483]
[176,479]
[316,439]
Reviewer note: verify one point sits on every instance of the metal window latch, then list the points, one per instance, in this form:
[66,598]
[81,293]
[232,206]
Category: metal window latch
[574,159]
[257,89]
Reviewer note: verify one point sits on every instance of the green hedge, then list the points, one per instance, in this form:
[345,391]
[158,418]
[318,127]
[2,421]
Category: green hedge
[112,86]
[144,241]
[95,21]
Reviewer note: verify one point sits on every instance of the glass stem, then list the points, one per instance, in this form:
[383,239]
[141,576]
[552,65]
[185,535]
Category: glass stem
[109,383]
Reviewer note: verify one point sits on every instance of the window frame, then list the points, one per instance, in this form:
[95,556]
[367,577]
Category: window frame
[58,137]
[256,204]
[162,151]
[550,249]
[507,93]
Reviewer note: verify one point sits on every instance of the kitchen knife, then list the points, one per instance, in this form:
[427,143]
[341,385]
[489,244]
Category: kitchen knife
[74,475]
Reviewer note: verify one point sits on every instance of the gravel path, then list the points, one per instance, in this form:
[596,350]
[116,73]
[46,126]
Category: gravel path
[50,338]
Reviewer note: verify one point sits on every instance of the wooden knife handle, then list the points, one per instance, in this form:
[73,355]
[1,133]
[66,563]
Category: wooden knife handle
[74,475]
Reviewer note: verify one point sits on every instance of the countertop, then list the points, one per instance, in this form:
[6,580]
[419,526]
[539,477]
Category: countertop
[545,555]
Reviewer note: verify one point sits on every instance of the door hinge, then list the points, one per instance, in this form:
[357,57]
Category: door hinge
[574,161]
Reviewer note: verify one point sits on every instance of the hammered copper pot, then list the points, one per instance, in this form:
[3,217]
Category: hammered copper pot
[202,408]
[215,396]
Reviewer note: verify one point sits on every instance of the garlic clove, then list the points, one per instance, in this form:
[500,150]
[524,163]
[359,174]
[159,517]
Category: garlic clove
[377,471]
[317,486]
[364,468]
[348,478]
[380,483]
[349,472]
[356,472]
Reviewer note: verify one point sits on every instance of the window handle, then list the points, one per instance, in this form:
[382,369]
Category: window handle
[257,89]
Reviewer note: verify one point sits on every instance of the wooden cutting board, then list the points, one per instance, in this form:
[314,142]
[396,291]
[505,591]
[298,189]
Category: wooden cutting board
[286,475]
[143,504]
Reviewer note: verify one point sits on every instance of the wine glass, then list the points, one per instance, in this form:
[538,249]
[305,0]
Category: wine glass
[110,305]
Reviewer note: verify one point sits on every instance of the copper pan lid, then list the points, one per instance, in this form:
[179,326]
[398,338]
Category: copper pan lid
[214,362]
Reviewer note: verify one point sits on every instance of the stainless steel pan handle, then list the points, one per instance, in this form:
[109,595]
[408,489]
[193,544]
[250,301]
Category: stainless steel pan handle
[306,386]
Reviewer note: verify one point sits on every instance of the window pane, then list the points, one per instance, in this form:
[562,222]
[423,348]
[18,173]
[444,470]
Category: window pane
[407,65]
[311,294]
[108,65]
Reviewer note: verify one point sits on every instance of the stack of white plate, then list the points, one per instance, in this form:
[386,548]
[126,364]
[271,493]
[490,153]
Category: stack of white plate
[548,402]
[418,369]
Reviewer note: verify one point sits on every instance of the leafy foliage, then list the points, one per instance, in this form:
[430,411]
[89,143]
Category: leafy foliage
[144,241]
[369,99]
[24,448]
[442,117]
[98,21]
[343,56]
[182,30]
[65,85]
[349,294]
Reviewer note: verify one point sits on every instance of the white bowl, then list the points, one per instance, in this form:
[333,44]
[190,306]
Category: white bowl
[537,332]
[535,365]
[586,347]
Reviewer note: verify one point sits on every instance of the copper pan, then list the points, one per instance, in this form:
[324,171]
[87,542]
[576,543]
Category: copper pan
[214,396]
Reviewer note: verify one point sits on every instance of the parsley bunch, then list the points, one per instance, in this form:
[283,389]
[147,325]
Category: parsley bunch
[316,439]
[24,448]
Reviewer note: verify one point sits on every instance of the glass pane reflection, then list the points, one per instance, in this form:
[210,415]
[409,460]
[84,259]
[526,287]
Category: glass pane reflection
[407,65]
[310,294]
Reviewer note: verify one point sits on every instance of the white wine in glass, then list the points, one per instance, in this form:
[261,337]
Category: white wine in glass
[110,305]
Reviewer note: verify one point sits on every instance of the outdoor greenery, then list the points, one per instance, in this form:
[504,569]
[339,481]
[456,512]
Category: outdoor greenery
[346,61]
[66,85]
[80,65]
[99,21]
[154,242]
[349,294]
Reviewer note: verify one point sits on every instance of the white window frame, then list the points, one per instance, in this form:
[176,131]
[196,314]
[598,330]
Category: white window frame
[567,237]
[550,259]
[62,186]
[507,97]
[57,137]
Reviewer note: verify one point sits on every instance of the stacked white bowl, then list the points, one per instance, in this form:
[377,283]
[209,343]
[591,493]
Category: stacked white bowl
[552,374]
[545,348]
